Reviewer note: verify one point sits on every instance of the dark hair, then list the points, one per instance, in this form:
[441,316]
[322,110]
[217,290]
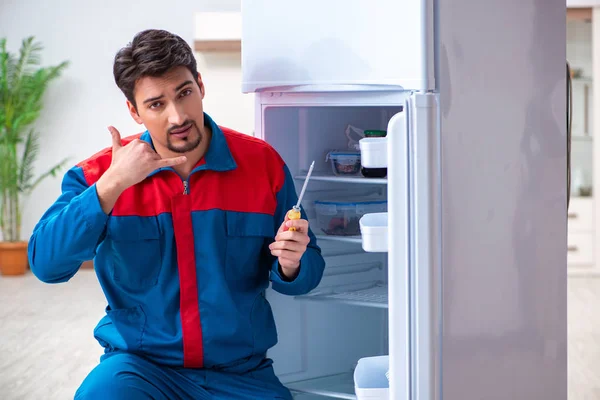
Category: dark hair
[152,52]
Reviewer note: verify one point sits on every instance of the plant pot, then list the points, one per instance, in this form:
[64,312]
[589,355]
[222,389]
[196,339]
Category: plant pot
[13,258]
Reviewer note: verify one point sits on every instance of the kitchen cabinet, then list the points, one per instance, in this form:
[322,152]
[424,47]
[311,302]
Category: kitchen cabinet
[580,242]
[218,32]
[583,55]
[578,4]
[582,125]
[579,13]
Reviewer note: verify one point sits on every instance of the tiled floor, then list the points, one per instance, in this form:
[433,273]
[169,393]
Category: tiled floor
[47,346]
[584,338]
[46,336]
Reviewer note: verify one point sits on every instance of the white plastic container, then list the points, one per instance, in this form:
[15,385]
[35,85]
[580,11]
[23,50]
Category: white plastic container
[342,218]
[373,152]
[370,381]
[374,232]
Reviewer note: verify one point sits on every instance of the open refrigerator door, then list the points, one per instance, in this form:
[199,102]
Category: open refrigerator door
[363,311]
[410,230]
[322,335]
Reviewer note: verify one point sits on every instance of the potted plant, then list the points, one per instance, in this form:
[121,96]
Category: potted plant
[23,83]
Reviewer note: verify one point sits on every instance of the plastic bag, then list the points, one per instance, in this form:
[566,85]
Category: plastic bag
[354,135]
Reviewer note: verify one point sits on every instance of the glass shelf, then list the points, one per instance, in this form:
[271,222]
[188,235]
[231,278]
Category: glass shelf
[343,179]
[339,386]
[347,239]
[376,295]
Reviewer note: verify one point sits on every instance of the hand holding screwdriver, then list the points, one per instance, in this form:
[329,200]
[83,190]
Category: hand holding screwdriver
[294,213]
[291,241]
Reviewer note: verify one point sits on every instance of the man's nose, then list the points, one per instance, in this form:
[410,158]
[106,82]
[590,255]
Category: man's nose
[177,115]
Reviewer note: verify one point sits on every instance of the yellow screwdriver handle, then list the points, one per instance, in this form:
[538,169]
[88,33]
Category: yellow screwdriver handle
[293,214]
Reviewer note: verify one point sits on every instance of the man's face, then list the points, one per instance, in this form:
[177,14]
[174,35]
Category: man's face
[170,106]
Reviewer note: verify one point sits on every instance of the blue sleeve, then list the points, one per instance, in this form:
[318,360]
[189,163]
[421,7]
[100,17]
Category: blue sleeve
[311,263]
[69,232]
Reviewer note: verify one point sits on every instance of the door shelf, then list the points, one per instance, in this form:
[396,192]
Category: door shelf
[375,295]
[343,179]
[347,239]
[339,386]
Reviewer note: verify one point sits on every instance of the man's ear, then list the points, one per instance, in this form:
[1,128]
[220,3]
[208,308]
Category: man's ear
[200,84]
[133,112]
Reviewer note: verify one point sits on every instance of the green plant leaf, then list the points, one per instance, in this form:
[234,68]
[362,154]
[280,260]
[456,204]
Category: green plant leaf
[30,152]
[51,172]
[23,83]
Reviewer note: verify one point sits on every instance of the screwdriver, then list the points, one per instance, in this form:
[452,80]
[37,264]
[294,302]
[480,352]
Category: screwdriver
[294,213]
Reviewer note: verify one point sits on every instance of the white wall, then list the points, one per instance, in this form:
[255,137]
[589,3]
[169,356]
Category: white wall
[224,101]
[85,100]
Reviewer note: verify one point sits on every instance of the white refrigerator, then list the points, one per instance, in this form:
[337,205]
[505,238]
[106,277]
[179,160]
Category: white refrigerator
[468,300]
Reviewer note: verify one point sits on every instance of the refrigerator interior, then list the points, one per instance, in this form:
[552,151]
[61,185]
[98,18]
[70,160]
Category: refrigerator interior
[322,335]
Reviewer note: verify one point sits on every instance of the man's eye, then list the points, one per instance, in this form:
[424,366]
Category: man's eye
[186,92]
[156,104]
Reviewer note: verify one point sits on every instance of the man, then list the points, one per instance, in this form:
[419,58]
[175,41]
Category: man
[186,224]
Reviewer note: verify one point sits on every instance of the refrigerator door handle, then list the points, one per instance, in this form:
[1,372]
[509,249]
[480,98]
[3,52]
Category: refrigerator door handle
[424,246]
[414,250]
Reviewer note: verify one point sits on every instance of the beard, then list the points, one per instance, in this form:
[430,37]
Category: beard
[187,144]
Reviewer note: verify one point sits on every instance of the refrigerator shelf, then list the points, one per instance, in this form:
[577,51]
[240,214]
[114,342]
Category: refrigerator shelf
[339,386]
[348,239]
[373,296]
[343,179]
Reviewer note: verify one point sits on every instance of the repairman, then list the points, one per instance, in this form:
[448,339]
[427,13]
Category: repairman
[187,226]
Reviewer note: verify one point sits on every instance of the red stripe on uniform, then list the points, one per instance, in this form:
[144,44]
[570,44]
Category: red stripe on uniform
[252,187]
[209,190]
[186,263]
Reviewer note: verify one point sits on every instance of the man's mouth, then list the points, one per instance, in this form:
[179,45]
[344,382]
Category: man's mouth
[182,133]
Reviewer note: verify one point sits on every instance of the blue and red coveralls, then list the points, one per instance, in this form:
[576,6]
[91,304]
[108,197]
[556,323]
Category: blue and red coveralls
[184,265]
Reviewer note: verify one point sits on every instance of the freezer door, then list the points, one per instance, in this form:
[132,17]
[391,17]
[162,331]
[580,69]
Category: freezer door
[315,45]
[414,250]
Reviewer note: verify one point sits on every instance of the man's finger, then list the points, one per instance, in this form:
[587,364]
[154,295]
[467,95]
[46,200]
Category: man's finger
[286,254]
[288,245]
[116,137]
[301,225]
[282,227]
[292,236]
[170,162]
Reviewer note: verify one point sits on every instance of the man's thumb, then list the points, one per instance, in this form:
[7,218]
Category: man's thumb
[116,137]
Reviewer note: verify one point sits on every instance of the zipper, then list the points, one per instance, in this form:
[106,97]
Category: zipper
[186,182]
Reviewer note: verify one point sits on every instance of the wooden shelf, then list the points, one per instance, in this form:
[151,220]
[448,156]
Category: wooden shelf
[583,14]
[217,45]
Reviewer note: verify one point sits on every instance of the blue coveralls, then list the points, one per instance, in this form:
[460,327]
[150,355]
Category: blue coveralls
[184,265]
